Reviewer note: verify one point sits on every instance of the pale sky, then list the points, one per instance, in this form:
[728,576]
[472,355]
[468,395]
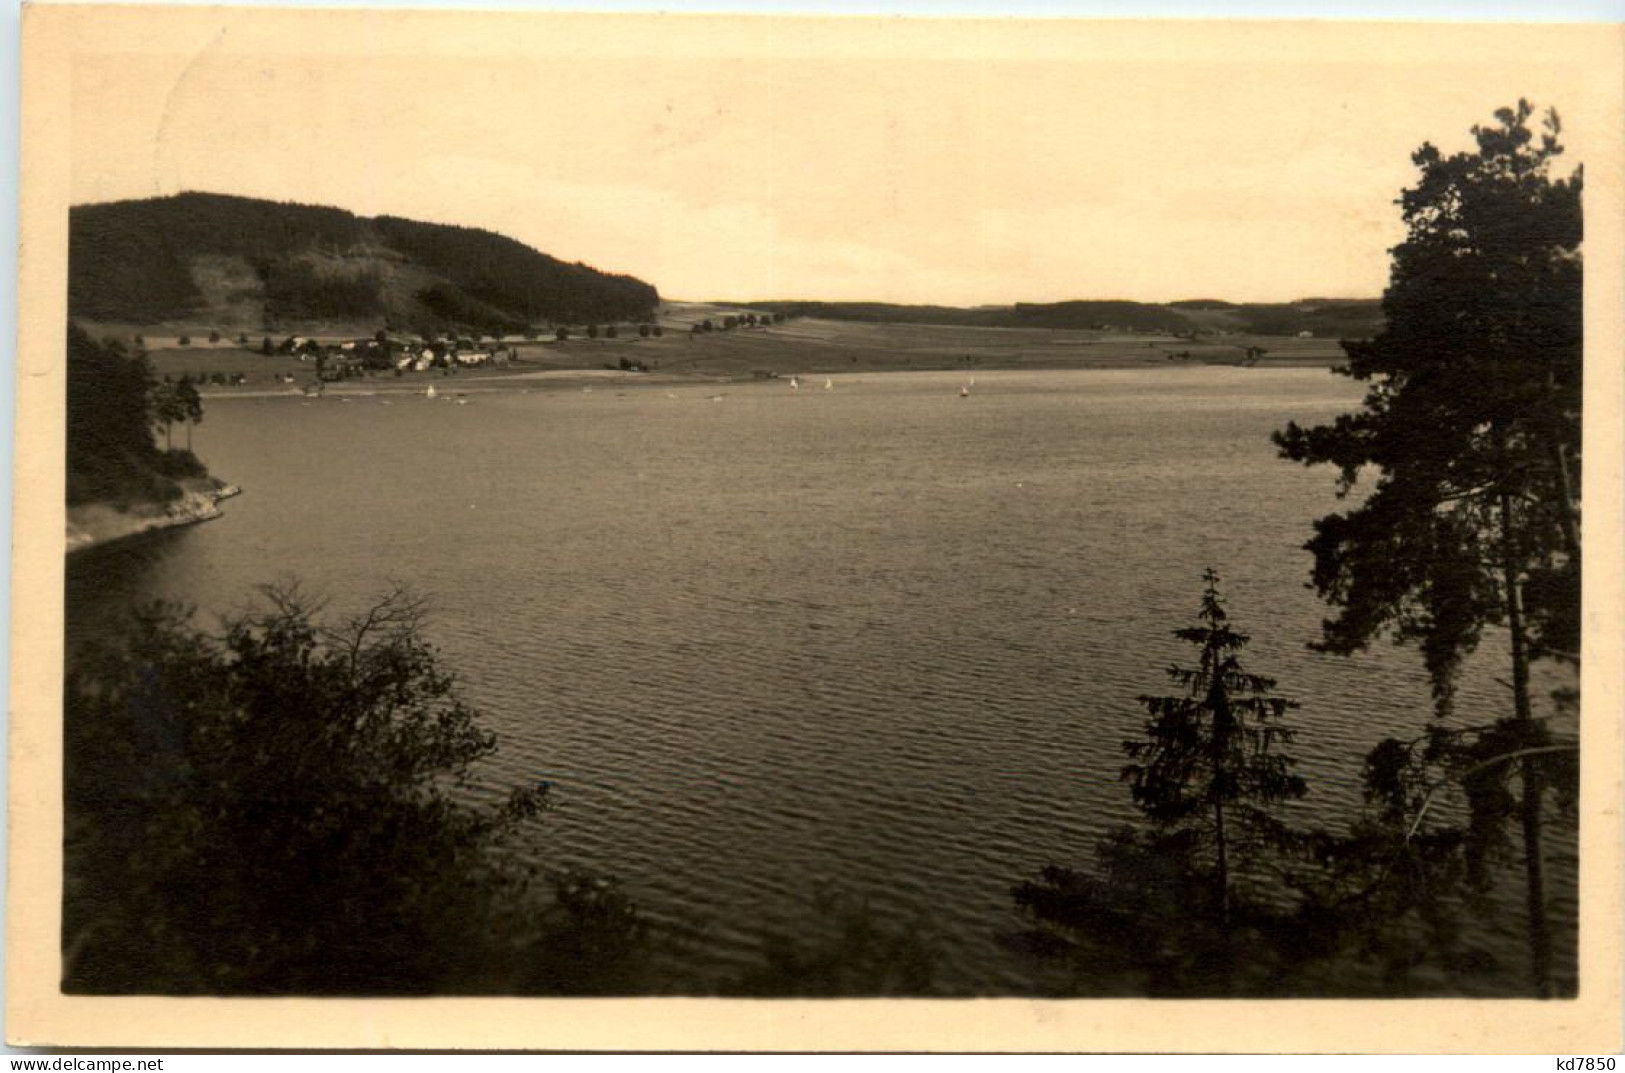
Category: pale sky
[882,159]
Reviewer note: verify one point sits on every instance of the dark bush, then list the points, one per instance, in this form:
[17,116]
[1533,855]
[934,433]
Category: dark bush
[283,806]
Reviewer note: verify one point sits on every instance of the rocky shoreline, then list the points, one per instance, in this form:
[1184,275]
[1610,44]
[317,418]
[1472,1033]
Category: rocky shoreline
[94,524]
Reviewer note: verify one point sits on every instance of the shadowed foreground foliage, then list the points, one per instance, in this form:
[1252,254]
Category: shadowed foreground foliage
[1190,905]
[282,808]
[843,949]
[1219,895]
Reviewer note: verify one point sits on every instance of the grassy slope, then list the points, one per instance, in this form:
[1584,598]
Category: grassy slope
[821,346]
[806,346]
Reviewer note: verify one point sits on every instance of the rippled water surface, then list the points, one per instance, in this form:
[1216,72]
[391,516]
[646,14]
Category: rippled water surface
[879,638]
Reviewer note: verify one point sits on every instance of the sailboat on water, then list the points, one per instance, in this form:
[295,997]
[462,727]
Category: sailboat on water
[829,385]
[794,383]
[429,394]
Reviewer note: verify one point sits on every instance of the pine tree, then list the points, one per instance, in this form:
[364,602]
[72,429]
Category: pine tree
[189,405]
[1472,422]
[166,408]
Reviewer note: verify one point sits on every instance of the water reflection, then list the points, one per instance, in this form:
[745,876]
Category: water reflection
[100,582]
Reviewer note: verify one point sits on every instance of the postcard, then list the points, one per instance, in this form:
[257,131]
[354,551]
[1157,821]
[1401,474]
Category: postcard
[629,532]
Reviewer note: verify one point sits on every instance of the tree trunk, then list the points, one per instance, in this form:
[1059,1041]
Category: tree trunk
[1571,512]
[1218,701]
[1570,519]
[1540,939]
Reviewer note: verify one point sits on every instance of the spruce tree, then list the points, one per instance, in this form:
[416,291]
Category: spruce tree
[1183,904]
[1208,763]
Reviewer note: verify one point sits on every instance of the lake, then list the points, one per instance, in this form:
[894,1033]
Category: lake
[767,643]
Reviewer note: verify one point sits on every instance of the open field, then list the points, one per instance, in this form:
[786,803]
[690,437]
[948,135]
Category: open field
[805,346]
[813,345]
[201,362]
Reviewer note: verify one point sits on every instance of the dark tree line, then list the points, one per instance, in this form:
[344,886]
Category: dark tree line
[449,307]
[514,278]
[295,289]
[129,260]
[114,406]
[1325,317]
[173,402]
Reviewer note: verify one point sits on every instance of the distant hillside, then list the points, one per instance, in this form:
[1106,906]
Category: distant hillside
[1330,318]
[1135,316]
[1333,318]
[884,313]
[243,263]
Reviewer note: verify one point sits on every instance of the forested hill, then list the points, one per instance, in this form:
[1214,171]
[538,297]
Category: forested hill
[1336,318]
[242,263]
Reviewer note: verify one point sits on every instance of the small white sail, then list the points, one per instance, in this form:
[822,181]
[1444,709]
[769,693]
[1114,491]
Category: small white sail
[829,385]
[429,393]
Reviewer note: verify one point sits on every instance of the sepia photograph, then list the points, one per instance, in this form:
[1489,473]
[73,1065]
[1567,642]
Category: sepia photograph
[529,507]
